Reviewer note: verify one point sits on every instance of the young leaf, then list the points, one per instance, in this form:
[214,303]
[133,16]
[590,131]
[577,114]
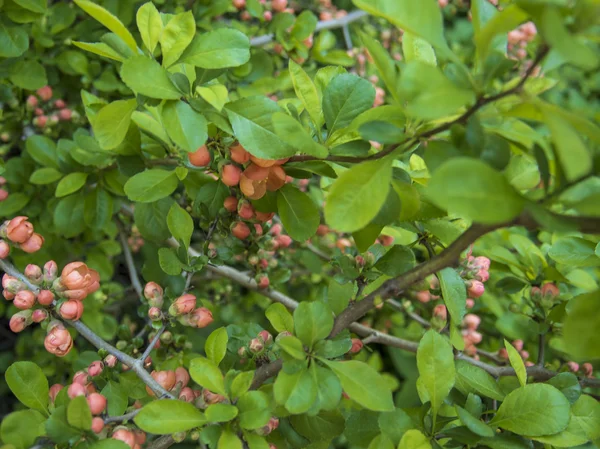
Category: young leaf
[146,77]
[417,49]
[28,383]
[344,98]
[149,24]
[307,93]
[221,412]
[581,326]
[297,391]
[399,259]
[169,416]
[414,439]
[254,410]
[298,213]
[454,294]
[78,413]
[112,123]
[14,40]
[151,185]
[70,184]
[292,132]
[472,379]
[180,224]
[216,345]
[208,375]
[280,318]
[292,346]
[218,49]
[473,424]
[516,362]
[229,440]
[383,61]
[176,36]
[312,322]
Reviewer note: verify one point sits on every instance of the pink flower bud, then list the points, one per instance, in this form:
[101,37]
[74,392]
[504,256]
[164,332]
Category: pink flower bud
[550,291]
[423,296]
[50,271]
[20,320]
[503,353]
[8,295]
[201,317]
[573,366]
[40,121]
[3,194]
[256,345]
[24,300]
[77,276]
[475,289]
[482,275]
[19,230]
[440,312]
[81,377]
[58,341]
[65,114]
[587,369]
[39,315]
[536,293]
[258,229]
[284,241]
[75,390]
[165,379]
[266,337]
[32,101]
[34,273]
[110,361]
[154,313]
[183,305]
[481,262]
[4,249]
[182,376]
[263,281]
[33,244]
[97,424]
[470,303]
[45,297]
[231,175]
[54,390]
[231,204]
[126,436]
[140,436]
[71,310]
[239,4]
[187,395]
[471,321]
[45,93]
[59,104]
[97,403]
[95,368]
[279,5]
[357,345]
[240,230]
[518,344]
[245,210]
[212,398]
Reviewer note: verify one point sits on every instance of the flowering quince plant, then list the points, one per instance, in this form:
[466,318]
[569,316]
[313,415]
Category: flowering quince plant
[285,224]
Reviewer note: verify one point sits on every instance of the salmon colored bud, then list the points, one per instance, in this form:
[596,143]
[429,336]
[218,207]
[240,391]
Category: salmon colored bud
[182,305]
[245,210]
[239,4]
[33,244]
[45,93]
[58,341]
[573,366]
[357,345]
[536,293]
[50,271]
[256,345]
[524,354]
[482,275]
[471,321]
[71,310]
[201,317]
[266,337]
[110,361]
[4,249]
[45,297]
[24,300]
[20,320]
[3,194]
[97,424]
[95,368]
[12,284]
[231,204]
[54,390]
[8,295]
[212,398]
[279,5]
[470,303]
[276,179]
[258,229]
[475,289]
[264,216]
[75,276]
[550,290]
[253,181]
[276,229]
[200,157]
[239,154]
[126,436]
[423,296]
[322,230]
[518,344]
[587,369]
[32,101]
[65,115]
[182,376]
[40,121]
[140,436]
[342,244]
[34,273]
[272,446]
[503,353]
[19,230]
[187,395]
[268,16]
[81,377]
[165,379]
[284,241]
[59,104]
[240,230]
[481,262]
[231,175]
[386,240]
[97,403]
[38,112]
[75,390]
[440,312]
[154,313]
[39,315]
[263,281]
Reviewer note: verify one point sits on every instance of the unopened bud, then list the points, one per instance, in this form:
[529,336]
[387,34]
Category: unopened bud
[34,274]
[155,314]
[95,368]
[39,315]
[256,345]
[357,345]
[110,361]
[50,271]
[266,337]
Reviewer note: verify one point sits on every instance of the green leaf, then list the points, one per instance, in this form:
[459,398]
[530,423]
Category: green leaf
[435,362]
[116,398]
[399,259]
[169,416]
[229,440]
[14,40]
[151,185]
[417,49]
[42,150]
[109,443]
[381,442]
[581,326]
[324,426]
[280,318]
[307,93]
[384,63]
[574,252]
[180,224]
[149,24]
[254,410]
[423,18]
[28,75]
[28,383]
[472,379]
[345,97]
[146,77]
[298,213]
[112,123]
[43,176]
[109,21]
[13,204]
[297,391]
[454,294]
[475,190]
[150,125]
[98,208]
[218,49]
[329,388]
[101,49]
[414,439]
[516,361]
[394,424]
[568,384]
[473,424]
[428,94]
[241,384]
[70,184]
[211,194]
[363,384]
[215,94]
[151,219]
[21,429]
[533,410]
[216,345]
[313,321]
[169,262]
[292,346]
[501,23]
[251,119]
[221,412]
[357,195]
[78,413]
[206,374]
[186,127]
[292,132]
[176,36]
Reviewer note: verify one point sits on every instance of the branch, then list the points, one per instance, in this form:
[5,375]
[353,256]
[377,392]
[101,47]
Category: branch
[152,343]
[122,418]
[133,275]
[323,25]
[265,372]
[162,442]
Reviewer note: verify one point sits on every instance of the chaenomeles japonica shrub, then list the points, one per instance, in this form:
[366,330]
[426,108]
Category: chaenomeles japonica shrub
[300,224]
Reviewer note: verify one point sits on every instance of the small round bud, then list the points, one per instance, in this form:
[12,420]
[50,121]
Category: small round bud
[24,300]
[240,230]
[200,157]
[4,249]
[76,389]
[54,390]
[256,345]
[357,345]
[97,403]
[266,337]
[45,297]
[201,317]
[183,305]
[71,310]
[231,175]
[155,314]
[39,315]
[33,244]
[20,320]
[34,274]
[50,271]
[95,368]
[110,361]
[231,204]
[97,424]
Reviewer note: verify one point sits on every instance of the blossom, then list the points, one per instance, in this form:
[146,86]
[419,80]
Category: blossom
[58,341]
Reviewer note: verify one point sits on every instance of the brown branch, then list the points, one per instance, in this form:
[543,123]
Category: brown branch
[265,372]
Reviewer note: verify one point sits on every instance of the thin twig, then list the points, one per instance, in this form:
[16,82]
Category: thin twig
[126,417]
[152,344]
[133,275]
[541,349]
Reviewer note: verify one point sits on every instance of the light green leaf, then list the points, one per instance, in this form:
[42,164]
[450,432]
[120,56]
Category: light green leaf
[454,294]
[473,424]
[208,375]
[20,429]
[169,416]
[435,362]
[313,321]
[280,318]
[501,23]
[241,384]
[116,396]
[254,409]
[149,24]
[186,127]
[229,440]
[399,259]
[307,93]
[292,346]
[298,213]
[533,410]
[46,175]
[297,391]
[363,384]
[151,185]
[101,49]
[146,77]
[417,49]
[581,338]
[42,150]
[414,439]
[180,224]
[109,21]
[472,379]
[291,132]
[79,414]
[28,383]
[357,195]
[28,75]
[216,345]
[484,195]
[218,49]
[112,123]
[14,40]
[150,125]
[383,62]
[221,412]
[176,36]
[215,94]
[36,6]
[516,361]
[381,442]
